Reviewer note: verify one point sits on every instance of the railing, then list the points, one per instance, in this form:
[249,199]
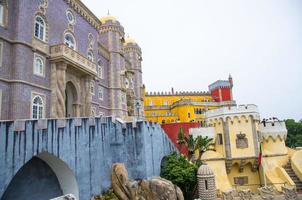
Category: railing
[79,61]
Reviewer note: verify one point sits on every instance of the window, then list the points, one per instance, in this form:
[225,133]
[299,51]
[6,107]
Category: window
[101,95]
[93,111]
[1,52]
[70,41]
[206,184]
[241,180]
[70,17]
[38,65]
[1,14]
[189,115]
[219,139]
[151,103]
[37,107]
[166,103]
[92,87]
[90,55]
[123,98]
[100,70]
[39,28]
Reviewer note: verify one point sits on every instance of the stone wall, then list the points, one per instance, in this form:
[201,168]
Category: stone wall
[86,146]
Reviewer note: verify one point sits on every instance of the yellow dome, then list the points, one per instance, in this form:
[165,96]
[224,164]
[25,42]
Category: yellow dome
[130,40]
[107,18]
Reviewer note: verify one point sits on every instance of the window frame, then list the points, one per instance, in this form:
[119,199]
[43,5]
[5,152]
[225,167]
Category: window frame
[38,56]
[100,69]
[74,40]
[39,29]
[2,15]
[90,55]
[1,53]
[69,11]
[39,107]
[101,97]
[92,87]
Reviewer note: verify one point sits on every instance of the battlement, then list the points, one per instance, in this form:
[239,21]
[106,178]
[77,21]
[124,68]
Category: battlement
[178,93]
[220,84]
[272,128]
[240,110]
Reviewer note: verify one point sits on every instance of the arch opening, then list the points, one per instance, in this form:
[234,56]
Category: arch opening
[71,106]
[42,178]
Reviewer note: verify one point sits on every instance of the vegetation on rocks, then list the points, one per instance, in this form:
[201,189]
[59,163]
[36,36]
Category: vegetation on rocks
[180,172]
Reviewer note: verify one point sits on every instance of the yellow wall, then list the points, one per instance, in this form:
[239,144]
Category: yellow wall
[253,177]
[296,163]
[241,125]
[161,109]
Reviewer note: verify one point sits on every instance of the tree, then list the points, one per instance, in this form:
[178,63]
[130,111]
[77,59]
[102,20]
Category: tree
[180,172]
[294,133]
[203,144]
[181,138]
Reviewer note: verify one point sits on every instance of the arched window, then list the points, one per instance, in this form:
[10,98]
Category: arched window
[39,65]
[40,28]
[70,41]
[100,69]
[90,55]
[37,107]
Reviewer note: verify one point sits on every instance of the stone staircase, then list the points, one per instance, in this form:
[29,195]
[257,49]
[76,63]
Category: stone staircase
[293,176]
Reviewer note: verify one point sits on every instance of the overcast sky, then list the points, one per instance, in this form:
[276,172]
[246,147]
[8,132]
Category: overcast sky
[188,44]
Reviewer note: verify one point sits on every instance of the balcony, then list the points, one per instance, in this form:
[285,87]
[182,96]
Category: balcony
[61,52]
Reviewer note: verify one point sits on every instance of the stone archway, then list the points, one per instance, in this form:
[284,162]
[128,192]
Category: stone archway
[71,100]
[42,178]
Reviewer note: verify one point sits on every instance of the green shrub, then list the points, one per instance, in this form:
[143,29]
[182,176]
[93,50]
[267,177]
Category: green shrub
[180,172]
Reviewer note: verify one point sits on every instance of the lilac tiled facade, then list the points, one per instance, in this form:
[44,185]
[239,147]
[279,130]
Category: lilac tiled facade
[67,78]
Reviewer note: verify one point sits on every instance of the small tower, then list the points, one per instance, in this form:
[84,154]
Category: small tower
[206,183]
[112,37]
[221,90]
[133,53]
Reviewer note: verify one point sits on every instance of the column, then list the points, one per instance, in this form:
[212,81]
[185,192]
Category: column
[60,89]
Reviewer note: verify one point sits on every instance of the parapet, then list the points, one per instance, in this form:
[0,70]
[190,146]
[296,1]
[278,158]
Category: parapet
[234,111]
[272,128]
[220,84]
[179,93]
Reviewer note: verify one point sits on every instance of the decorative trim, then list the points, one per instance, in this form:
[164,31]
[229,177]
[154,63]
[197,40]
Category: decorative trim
[26,83]
[81,9]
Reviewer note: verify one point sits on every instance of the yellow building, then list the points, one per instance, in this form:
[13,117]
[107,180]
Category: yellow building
[238,133]
[170,107]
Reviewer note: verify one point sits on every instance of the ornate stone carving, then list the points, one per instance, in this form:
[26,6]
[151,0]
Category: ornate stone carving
[241,165]
[289,193]
[245,194]
[241,141]
[267,192]
[60,90]
[228,195]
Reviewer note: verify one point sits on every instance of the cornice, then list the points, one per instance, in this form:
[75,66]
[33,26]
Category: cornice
[81,8]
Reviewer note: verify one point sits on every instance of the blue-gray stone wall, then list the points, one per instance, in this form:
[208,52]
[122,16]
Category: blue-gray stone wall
[88,146]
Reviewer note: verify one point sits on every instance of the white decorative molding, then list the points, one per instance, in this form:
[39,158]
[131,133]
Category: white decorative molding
[273,129]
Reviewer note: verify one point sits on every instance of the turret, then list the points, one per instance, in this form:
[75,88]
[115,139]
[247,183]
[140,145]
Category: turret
[133,53]
[221,90]
[272,133]
[112,37]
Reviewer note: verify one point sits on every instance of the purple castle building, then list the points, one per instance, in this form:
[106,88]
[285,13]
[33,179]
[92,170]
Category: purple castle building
[57,59]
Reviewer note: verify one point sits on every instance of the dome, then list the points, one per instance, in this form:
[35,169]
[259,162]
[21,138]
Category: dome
[129,40]
[205,170]
[108,18]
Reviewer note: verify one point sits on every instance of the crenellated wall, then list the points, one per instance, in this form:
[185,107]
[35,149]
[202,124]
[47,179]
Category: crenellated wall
[81,151]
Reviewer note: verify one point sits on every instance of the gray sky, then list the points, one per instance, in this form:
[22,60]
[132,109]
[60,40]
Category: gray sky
[188,44]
